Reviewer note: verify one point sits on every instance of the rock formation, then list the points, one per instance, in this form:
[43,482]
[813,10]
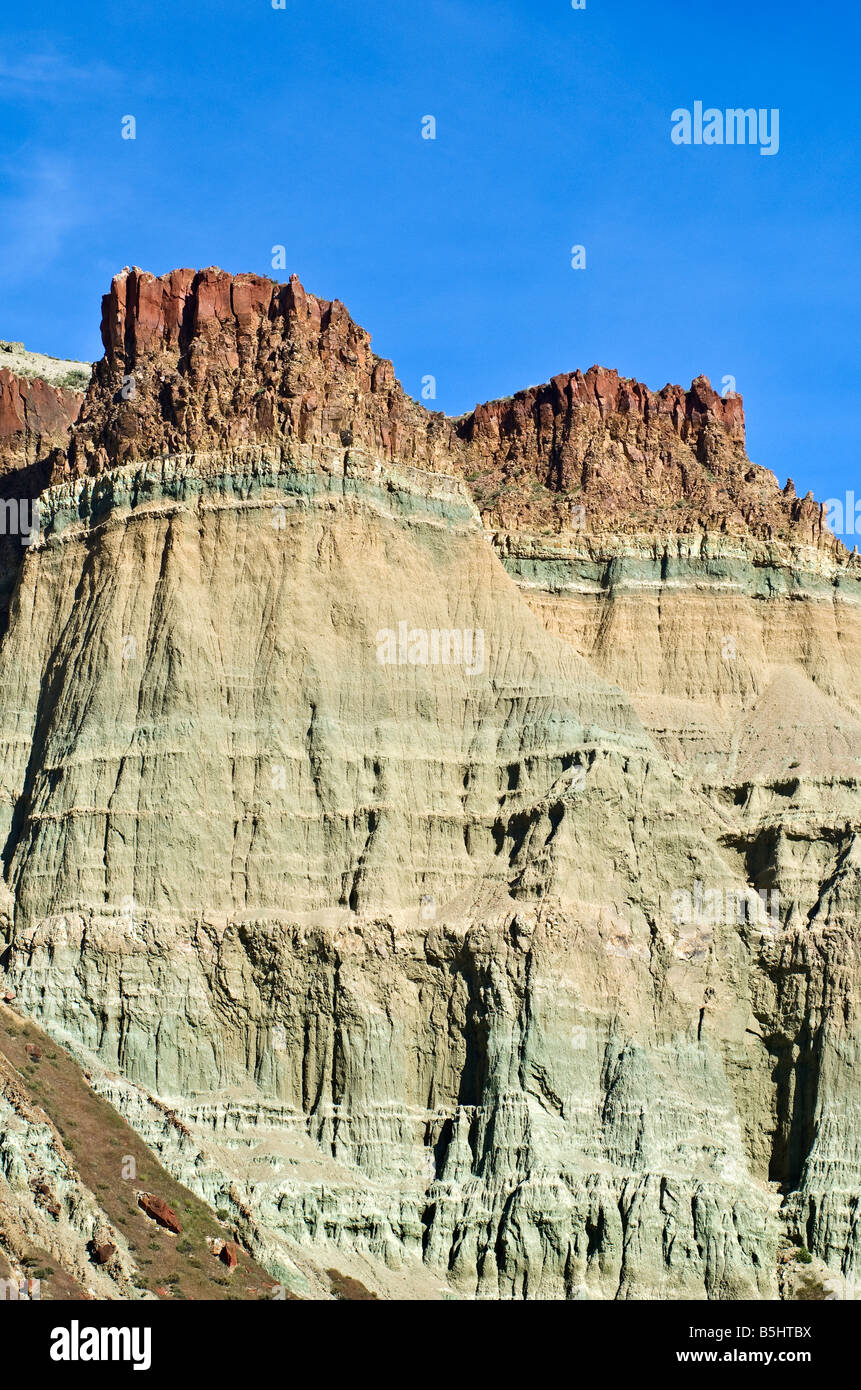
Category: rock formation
[438,837]
[68,1226]
[39,402]
[34,417]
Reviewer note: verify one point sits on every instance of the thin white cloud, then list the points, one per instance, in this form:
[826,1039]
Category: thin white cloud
[39,205]
[48,74]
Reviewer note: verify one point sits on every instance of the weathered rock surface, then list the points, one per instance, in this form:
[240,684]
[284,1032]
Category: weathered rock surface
[158,1210]
[458,967]
[69,1224]
[44,1205]
[35,417]
[39,401]
[202,361]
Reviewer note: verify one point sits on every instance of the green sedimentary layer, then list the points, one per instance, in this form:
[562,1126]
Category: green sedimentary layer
[255,474]
[761,570]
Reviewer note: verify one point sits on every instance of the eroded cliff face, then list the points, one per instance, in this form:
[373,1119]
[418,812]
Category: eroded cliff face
[40,398]
[36,416]
[468,868]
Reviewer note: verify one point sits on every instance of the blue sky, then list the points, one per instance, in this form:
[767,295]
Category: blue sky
[302,127]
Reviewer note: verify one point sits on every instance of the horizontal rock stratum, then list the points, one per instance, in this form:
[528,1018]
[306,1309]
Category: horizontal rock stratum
[438,837]
[211,360]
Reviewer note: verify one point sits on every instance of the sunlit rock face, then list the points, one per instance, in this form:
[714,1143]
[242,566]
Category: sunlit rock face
[439,836]
[40,398]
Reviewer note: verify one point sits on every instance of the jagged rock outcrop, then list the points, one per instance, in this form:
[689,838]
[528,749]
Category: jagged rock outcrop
[596,452]
[200,361]
[203,361]
[440,836]
[36,417]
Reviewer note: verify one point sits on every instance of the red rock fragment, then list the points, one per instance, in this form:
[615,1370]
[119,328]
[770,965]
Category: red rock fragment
[158,1210]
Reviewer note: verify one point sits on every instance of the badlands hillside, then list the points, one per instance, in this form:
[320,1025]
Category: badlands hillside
[436,838]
